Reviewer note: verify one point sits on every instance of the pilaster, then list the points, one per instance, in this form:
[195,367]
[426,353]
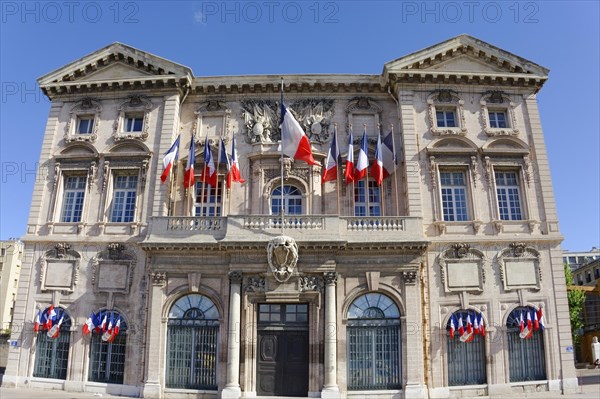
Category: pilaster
[232,386]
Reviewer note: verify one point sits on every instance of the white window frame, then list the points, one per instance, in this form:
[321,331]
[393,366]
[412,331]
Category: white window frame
[444,101]
[507,192]
[286,200]
[453,188]
[127,190]
[214,205]
[370,205]
[129,122]
[64,198]
[86,108]
[88,118]
[135,106]
[497,101]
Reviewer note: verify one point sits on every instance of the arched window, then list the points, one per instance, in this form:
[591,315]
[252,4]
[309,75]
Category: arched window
[52,349]
[373,339]
[525,349]
[292,201]
[107,351]
[466,357]
[192,335]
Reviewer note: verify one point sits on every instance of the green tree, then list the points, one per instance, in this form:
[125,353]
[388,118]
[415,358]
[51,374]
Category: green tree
[576,298]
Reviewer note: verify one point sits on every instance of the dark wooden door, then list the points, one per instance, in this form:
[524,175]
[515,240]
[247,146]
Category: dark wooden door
[282,364]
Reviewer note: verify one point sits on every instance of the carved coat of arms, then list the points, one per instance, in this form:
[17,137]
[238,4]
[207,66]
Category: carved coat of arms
[282,255]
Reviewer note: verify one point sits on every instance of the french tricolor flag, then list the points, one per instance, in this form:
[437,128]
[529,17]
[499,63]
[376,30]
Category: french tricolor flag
[294,142]
[234,171]
[476,324]
[170,158]
[452,327]
[536,323]
[362,163]
[89,324]
[529,321]
[188,178]
[36,322]
[461,328]
[540,315]
[222,159]
[521,322]
[103,324]
[377,167]
[469,324]
[51,314]
[349,171]
[333,157]
[481,325]
[388,154]
[209,172]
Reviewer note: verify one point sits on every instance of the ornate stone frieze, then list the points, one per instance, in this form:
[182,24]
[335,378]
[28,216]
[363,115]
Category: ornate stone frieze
[158,279]
[59,269]
[462,268]
[235,277]
[300,173]
[215,111]
[310,283]
[520,267]
[261,119]
[362,106]
[282,255]
[255,284]
[91,176]
[409,276]
[112,269]
[314,115]
[474,170]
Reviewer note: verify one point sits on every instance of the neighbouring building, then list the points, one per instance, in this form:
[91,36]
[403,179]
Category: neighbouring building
[354,290]
[578,259]
[587,278]
[11,253]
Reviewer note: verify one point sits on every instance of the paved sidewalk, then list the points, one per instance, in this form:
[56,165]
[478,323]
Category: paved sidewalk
[589,388]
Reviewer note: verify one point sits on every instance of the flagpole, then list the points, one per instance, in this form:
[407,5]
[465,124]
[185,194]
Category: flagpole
[381,187]
[367,213]
[282,209]
[352,199]
[339,167]
[172,188]
[203,174]
[395,172]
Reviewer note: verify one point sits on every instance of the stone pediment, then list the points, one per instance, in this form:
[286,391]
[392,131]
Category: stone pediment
[115,61]
[464,54]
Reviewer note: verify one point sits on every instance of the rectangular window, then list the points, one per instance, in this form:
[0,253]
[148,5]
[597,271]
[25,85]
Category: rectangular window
[454,196]
[85,124]
[588,277]
[509,198]
[446,118]
[497,119]
[74,194]
[208,200]
[133,123]
[596,273]
[124,196]
[579,279]
[367,203]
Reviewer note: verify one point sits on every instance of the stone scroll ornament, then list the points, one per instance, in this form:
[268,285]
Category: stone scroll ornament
[282,255]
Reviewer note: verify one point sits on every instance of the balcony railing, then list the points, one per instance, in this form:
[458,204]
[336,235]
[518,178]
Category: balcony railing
[308,228]
[287,222]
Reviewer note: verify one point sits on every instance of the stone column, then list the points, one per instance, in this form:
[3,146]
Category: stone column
[232,385]
[152,387]
[330,387]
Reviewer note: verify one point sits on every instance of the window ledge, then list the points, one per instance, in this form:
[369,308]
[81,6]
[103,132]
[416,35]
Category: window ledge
[462,227]
[516,226]
[503,131]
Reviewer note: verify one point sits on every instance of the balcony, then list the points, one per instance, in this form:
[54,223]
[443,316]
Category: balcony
[251,229]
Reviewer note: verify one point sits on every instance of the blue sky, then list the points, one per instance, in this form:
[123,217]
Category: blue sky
[284,37]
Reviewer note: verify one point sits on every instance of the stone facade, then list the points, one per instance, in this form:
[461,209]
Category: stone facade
[10,269]
[462,109]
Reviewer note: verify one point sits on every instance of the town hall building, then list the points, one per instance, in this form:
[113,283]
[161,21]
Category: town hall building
[443,280]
